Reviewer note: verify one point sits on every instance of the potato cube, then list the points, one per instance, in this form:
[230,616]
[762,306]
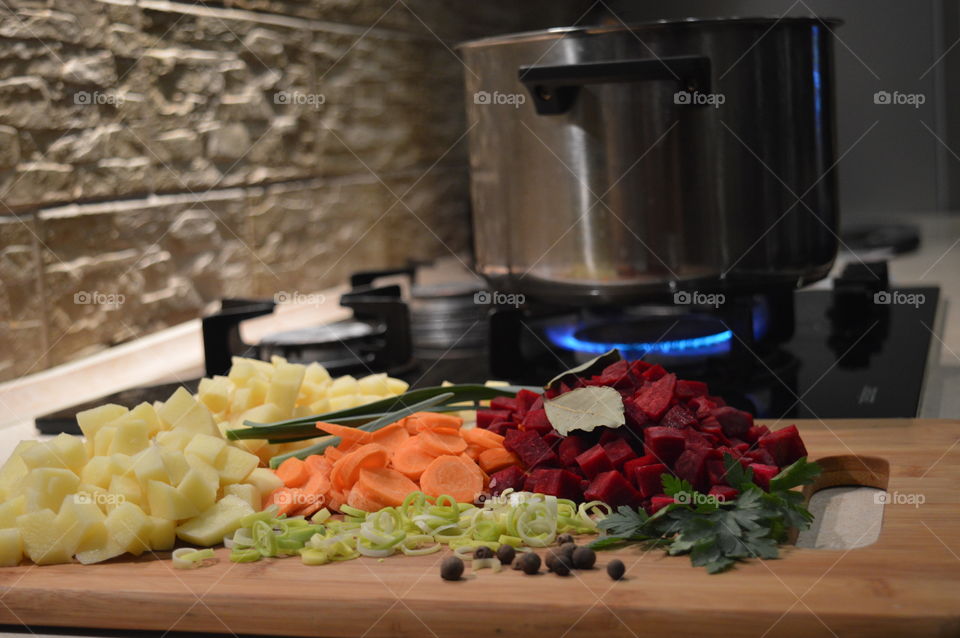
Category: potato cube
[90,421]
[81,520]
[199,487]
[46,487]
[122,465]
[102,441]
[285,385]
[342,402]
[320,406]
[10,510]
[94,494]
[43,538]
[11,547]
[166,502]
[70,450]
[363,399]
[245,491]
[98,471]
[148,466]
[343,386]
[162,534]
[397,386]
[258,387]
[266,413]
[215,393]
[212,525]
[206,447]
[182,412]
[175,463]
[129,528]
[375,384]
[241,371]
[174,439]
[131,436]
[123,489]
[240,401]
[15,470]
[317,374]
[235,465]
[265,480]
[148,414]
[44,455]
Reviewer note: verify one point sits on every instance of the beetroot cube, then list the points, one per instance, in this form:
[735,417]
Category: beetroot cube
[532,450]
[619,452]
[690,389]
[569,448]
[594,461]
[717,401]
[716,472]
[733,421]
[507,404]
[636,418]
[701,406]
[740,447]
[678,417]
[763,473]
[502,427]
[692,467]
[653,373]
[648,479]
[552,439]
[511,477]
[608,435]
[654,398]
[538,404]
[631,466]
[525,400]
[559,483]
[530,483]
[759,455]
[638,366]
[486,418]
[724,492]
[785,445]
[754,433]
[613,489]
[664,444]
[658,503]
[536,421]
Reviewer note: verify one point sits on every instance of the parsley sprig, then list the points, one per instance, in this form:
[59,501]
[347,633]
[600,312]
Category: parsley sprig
[716,534]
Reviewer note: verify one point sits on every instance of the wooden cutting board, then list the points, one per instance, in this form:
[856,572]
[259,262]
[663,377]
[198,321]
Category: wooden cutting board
[906,584]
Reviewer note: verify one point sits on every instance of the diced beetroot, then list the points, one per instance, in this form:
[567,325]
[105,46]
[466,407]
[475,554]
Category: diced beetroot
[638,366]
[569,448]
[757,431]
[525,400]
[678,417]
[654,372]
[664,444]
[690,389]
[763,473]
[648,479]
[654,398]
[715,432]
[538,404]
[508,404]
[617,369]
[511,477]
[532,450]
[486,418]
[701,406]
[697,440]
[723,492]
[785,445]
[692,466]
[530,482]
[619,452]
[631,466]
[733,421]
[594,461]
[717,401]
[537,421]
[759,455]
[657,503]
[502,427]
[716,472]
[613,489]
[552,439]
[560,483]
[608,435]
[740,447]
[636,418]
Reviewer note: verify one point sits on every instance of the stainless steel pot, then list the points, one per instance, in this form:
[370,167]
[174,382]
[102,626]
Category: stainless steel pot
[615,163]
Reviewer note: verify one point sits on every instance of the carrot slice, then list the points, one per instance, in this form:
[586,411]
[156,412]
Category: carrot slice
[360,498]
[346,434]
[287,499]
[410,423]
[318,464]
[346,471]
[410,459]
[495,459]
[474,451]
[482,438]
[435,420]
[391,436]
[386,485]
[336,499]
[442,441]
[293,472]
[470,463]
[333,453]
[318,485]
[451,475]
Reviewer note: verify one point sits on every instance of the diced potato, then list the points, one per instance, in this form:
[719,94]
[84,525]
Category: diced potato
[175,464]
[215,393]
[266,413]
[310,392]
[343,386]
[182,412]
[167,502]
[82,523]
[301,411]
[241,371]
[285,385]
[316,373]
[10,510]
[131,436]
[200,487]
[148,414]
[44,455]
[148,465]
[95,494]
[128,527]
[162,534]
[235,465]
[258,387]
[102,441]
[397,386]
[342,402]
[46,487]
[240,401]
[174,439]
[70,450]
[245,491]
[206,447]
[122,464]
[265,480]
[15,470]
[124,489]
[363,399]
[111,549]
[216,522]
[266,369]
[98,471]
[43,538]
[375,384]
[11,547]
[90,421]
[253,446]
[320,406]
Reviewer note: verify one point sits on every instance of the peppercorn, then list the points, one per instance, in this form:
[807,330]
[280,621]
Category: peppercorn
[584,558]
[451,568]
[564,538]
[529,563]
[483,552]
[506,554]
[616,569]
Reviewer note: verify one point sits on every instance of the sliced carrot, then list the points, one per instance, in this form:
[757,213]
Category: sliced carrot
[293,472]
[482,438]
[451,475]
[318,485]
[336,499]
[287,499]
[435,420]
[442,441]
[346,471]
[391,436]
[386,485]
[333,453]
[473,451]
[410,423]
[318,464]
[360,498]
[496,459]
[410,459]
[314,507]
[346,434]
[470,463]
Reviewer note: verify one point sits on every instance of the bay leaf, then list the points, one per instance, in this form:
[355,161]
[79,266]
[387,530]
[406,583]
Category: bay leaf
[585,409]
[585,370]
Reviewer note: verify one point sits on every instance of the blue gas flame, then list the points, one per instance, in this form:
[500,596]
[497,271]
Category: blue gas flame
[717,343]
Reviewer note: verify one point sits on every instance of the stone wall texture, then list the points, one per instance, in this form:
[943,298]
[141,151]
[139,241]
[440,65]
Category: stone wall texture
[156,156]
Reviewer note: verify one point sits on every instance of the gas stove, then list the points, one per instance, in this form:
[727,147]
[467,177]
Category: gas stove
[857,351]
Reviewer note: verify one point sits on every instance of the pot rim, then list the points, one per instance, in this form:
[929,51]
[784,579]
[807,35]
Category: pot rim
[595,30]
